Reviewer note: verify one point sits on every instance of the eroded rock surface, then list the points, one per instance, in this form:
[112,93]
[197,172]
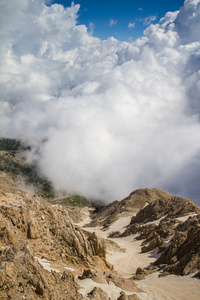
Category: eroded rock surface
[134,202]
[32,230]
[172,226]
[98,294]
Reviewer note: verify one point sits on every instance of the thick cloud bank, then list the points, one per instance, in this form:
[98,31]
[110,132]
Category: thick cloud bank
[107,116]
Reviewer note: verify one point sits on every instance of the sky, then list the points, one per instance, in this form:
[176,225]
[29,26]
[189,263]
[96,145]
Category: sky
[104,115]
[124,20]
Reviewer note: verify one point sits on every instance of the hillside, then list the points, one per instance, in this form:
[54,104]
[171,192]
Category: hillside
[112,252]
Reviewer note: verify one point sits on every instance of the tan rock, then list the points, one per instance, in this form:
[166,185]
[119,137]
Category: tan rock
[98,294]
[94,275]
[32,230]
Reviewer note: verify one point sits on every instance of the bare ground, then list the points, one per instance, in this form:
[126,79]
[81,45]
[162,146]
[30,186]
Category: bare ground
[126,262]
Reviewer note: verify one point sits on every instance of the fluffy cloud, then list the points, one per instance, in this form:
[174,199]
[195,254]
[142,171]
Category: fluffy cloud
[106,116]
[112,22]
[131,25]
[148,20]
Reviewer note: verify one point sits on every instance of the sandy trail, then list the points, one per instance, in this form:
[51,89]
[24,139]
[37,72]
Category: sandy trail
[169,288]
[126,263]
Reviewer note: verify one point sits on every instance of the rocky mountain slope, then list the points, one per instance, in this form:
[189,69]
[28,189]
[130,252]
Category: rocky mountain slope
[106,215]
[31,230]
[171,225]
[45,255]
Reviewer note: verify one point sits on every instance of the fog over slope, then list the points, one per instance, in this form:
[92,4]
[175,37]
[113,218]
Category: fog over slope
[115,116]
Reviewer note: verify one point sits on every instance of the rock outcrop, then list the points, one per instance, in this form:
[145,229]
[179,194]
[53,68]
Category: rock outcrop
[133,203]
[41,249]
[167,208]
[172,226]
[32,230]
[182,255]
[22,277]
[97,294]
[124,296]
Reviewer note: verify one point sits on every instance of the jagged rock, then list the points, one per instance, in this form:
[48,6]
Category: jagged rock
[123,296]
[170,207]
[94,275]
[163,274]
[142,273]
[182,256]
[114,234]
[54,232]
[32,230]
[133,297]
[24,218]
[135,201]
[98,245]
[98,294]
[39,289]
[22,276]
[127,284]
[197,275]
[154,243]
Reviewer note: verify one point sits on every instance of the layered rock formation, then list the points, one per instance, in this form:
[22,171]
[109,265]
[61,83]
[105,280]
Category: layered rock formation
[22,277]
[134,202]
[40,246]
[32,230]
[172,226]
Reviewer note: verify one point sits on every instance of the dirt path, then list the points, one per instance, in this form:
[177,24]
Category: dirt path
[126,263]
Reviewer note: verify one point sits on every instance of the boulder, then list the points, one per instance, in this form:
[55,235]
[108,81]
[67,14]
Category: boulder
[97,294]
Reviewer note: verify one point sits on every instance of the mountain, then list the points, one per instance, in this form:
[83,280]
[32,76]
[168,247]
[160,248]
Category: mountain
[58,247]
[172,226]
[106,215]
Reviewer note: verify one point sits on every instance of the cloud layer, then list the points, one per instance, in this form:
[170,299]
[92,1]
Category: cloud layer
[106,117]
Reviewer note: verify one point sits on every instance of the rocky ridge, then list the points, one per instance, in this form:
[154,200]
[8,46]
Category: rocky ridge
[172,227]
[42,251]
[32,230]
[106,215]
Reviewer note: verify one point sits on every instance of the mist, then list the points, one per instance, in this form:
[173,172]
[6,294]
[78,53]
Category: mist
[103,117]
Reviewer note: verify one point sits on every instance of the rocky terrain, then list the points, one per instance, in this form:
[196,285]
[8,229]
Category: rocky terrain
[106,215]
[172,226]
[33,231]
[118,252]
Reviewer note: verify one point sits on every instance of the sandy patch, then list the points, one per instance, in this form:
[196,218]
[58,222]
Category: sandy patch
[111,289]
[47,265]
[51,266]
[170,287]
[85,215]
[183,219]
[125,263]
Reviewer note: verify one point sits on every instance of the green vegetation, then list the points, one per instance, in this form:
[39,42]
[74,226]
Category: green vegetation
[46,189]
[97,205]
[72,201]
[10,144]
[77,200]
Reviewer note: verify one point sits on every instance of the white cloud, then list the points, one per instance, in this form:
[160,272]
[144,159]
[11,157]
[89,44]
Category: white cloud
[112,22]
[131,25]
[91,27]
[116,116]
[148,20]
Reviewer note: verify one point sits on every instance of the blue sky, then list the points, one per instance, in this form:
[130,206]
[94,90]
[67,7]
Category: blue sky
[125,20]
